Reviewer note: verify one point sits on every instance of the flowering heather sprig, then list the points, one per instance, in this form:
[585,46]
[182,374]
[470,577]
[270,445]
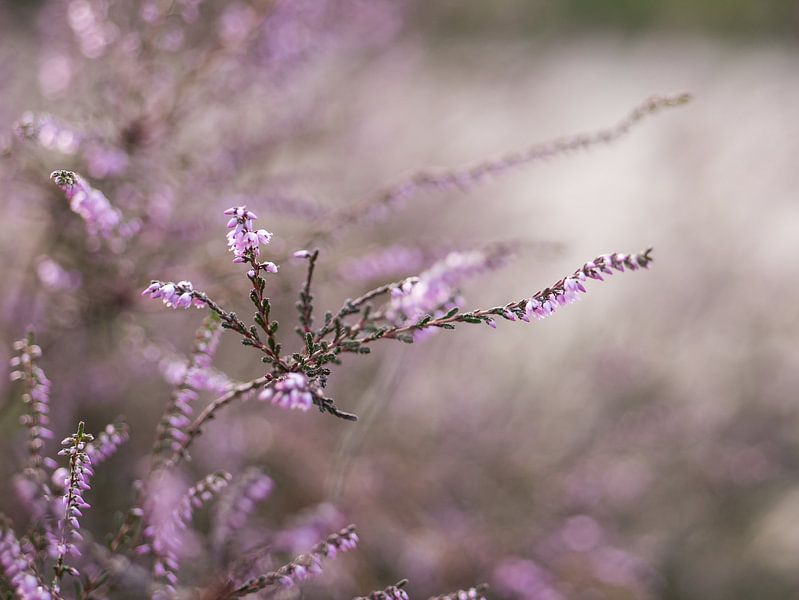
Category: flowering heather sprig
[36,396]
[75,446]
[238,501]
[33,483]
[107,442]
[475,593]
[244,241]
[174,295]
[539,305]
[546,302]
[378,206]
[177,416]
[102,219]
[164,538]
[392,592]
[302,567]
[183,294]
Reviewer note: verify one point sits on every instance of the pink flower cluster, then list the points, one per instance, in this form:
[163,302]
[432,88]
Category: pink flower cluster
[305,565]
[174,295]
[243,241]
[566,291]
[107,442]
[292,391]
[16,566]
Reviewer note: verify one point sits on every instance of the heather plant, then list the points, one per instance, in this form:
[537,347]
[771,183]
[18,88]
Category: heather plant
[139,171]
[296,380]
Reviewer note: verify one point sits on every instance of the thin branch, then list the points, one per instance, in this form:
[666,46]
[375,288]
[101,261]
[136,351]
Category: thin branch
[465,178]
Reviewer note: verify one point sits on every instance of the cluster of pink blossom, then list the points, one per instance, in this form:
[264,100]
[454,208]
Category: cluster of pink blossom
[102,219]
[171,430]
[292,391]
[17,567]
[566,291]
[242,240]
[305,565]
[174,295]
[106,443]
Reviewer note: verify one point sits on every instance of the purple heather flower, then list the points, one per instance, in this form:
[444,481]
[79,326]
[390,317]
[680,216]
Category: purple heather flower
[164,533]
[174,295]
[567,290]
[243,241]
[36,395]
[72,502]
[102,219]
[17,566]
[292,391]
[305,565]
[194,376]
[107,442]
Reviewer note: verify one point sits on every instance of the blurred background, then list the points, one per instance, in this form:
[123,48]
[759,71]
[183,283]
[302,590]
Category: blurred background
[643,443]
